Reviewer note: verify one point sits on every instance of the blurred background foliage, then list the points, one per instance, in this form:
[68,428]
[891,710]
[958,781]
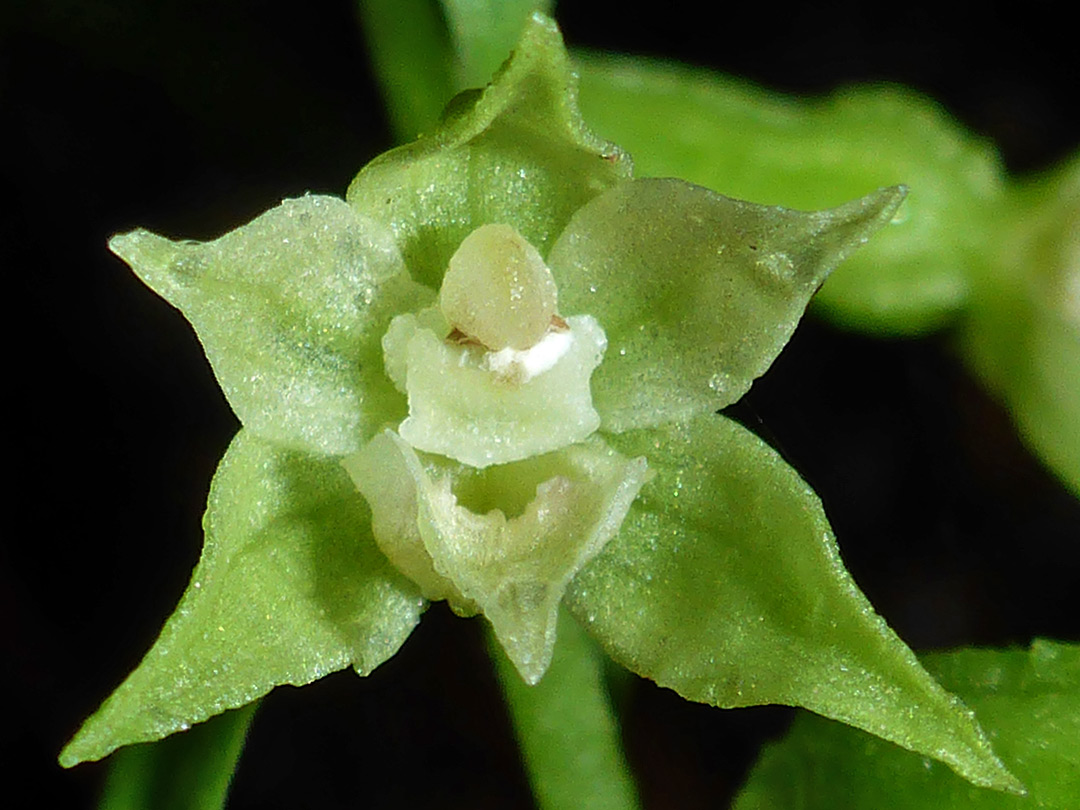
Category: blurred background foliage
[191,117]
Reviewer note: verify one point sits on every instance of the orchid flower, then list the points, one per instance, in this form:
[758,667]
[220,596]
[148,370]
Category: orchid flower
[491,375]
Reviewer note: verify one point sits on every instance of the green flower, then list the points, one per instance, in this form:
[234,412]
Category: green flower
[491,375]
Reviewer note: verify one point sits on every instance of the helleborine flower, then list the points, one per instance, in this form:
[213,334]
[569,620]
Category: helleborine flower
[490,375]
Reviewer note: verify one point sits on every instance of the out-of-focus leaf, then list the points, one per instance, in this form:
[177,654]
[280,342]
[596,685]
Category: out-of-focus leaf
[189,771]
[516,154]
[697,293]
[413,58]
[752,144]
[291,309]
[1027,700]
[568,734]
[484,32]
[290,587]
[1022,335]
[725,584]
[427,51]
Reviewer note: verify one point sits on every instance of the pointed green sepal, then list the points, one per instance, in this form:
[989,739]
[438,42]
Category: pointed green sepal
[725,584]
[809,153]
[516,153]
[505,541]
[697,293]
[290,587]
[291,309]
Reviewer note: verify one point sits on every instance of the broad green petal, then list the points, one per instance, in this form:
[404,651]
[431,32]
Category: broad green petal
[290,587]
[1022,334]
[291,309]
[566,729]
[753,144]
[506,540]
[697,293]
[725,584]
[516,153]
[189,771]
[1027,700]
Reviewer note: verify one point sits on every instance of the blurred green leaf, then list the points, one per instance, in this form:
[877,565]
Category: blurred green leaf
[752,144]
[413,58]
[1027,700]
[290,587]
[484,32]
[725,584]
[568,734]
[1022,334]
[189,771]
[291,309]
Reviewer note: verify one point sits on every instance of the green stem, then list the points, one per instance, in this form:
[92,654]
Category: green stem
[566,729]
[188,771]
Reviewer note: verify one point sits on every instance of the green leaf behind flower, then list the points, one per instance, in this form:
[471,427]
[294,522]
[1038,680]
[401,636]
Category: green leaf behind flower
[697,293]
[412,54]
[291,310]
[1022,333]
[1027,700]
[752,144]
[290,587]
[516,153]
[484,32]
[725,584]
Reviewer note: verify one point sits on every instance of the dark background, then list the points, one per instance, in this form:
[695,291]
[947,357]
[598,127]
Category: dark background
[190,118]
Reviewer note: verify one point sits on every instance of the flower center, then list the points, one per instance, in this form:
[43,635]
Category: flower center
[494,374]
[497,290]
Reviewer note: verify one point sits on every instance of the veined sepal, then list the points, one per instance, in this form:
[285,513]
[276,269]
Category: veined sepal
[697,292]
[290,309]
[516,152]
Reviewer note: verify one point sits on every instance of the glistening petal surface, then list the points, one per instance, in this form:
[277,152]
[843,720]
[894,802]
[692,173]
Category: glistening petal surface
[290,587]
[516,153]
[725,584]
[290,309]
[753,144]
[697,293]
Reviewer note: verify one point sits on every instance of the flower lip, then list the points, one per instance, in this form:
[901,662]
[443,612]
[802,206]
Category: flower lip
[494,374]
[481,407]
